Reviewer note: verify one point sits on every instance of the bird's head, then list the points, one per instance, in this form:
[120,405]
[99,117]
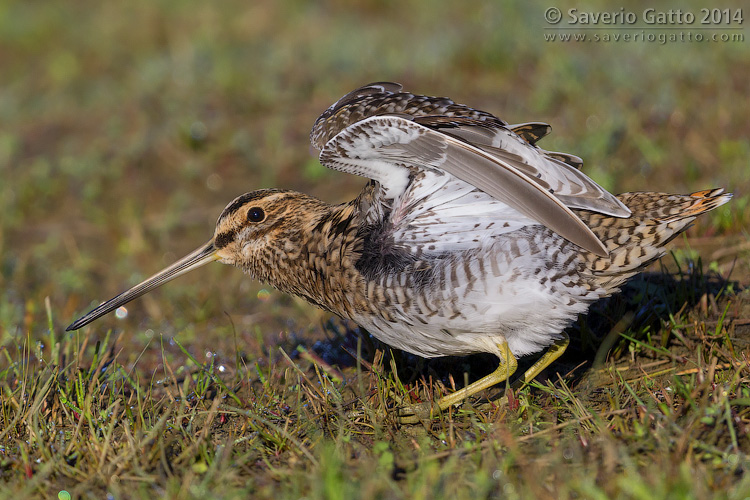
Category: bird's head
[246,226]
[252,222]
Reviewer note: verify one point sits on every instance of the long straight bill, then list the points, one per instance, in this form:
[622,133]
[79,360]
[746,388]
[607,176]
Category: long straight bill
[200,257]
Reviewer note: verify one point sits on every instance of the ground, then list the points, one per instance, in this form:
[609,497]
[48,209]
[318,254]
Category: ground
[127,130]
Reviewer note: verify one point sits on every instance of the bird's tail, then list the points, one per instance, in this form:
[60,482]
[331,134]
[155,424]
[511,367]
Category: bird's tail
[636,241]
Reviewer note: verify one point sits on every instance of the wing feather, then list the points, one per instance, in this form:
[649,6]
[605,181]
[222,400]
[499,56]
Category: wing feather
[387,98]
[531,132]
[567,183]
[392,149]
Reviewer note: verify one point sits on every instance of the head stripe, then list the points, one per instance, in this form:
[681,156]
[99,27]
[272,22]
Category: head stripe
[241,200]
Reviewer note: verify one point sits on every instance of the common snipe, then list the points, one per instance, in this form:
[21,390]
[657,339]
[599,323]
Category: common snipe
[468,238]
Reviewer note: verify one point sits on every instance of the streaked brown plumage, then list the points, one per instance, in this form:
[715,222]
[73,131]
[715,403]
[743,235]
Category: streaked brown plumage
[468,238]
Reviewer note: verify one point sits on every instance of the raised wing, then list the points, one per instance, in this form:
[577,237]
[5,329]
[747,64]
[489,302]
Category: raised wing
[572,187]
[386,98]
[392,150]
[514,145]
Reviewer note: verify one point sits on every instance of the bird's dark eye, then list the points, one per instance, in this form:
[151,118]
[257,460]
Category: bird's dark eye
[256,214]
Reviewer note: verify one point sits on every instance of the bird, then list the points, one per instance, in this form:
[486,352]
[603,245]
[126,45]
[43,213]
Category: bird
[467,238]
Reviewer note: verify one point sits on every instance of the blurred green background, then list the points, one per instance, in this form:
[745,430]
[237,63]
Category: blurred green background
[126,127]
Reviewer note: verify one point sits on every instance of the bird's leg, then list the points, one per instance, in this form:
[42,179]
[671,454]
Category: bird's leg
[555,351]
[508,365]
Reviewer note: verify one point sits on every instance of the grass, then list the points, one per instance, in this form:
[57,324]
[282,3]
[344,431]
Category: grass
[669,418]
[128,130]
